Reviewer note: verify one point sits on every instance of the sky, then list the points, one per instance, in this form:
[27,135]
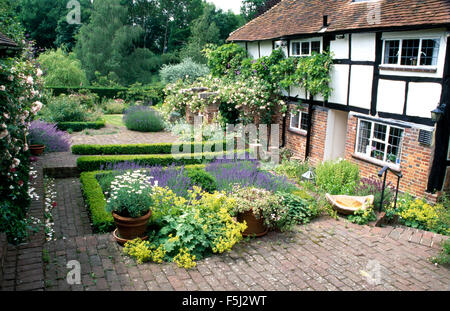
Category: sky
[234,5]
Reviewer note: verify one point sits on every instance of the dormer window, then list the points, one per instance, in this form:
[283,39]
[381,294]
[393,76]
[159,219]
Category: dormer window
[306,47]
[411,52]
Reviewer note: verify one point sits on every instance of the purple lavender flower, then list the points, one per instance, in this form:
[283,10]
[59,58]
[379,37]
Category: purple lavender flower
[245,173]
[43,133]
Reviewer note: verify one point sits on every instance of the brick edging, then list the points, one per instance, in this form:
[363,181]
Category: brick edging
[3,253]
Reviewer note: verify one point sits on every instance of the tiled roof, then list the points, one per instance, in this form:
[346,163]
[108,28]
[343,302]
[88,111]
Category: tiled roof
[296,17]
[5,41]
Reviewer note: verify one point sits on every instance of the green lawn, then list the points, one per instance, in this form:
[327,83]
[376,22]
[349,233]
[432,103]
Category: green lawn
[114,119]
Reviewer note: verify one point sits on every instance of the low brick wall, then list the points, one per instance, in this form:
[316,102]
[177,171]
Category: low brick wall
[3,249]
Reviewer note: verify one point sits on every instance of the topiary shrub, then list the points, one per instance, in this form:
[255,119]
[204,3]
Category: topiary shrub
[203,179]
[143,119]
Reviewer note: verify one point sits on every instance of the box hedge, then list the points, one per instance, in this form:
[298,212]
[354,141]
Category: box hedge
[94,163]
[79,126]
[163,148]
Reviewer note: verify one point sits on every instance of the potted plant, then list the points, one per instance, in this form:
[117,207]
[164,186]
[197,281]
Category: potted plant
[130,203]
[37,149]
[257,207]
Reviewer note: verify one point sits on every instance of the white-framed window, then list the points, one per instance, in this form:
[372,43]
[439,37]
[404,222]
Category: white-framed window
[299,121]
[306,47]
[379,141]
[413,52]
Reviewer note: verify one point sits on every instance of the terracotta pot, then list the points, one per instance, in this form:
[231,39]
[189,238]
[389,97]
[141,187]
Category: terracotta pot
[37,150]
[130,228]
[255,226]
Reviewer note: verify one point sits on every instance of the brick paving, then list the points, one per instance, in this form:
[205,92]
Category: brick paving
[324,255]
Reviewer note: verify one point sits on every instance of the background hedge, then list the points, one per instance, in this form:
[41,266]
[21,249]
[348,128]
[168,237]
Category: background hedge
[79,126]
[152,93]
[164,148]
[94,163]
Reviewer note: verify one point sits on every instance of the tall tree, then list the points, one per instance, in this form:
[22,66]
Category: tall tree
[203,31]
[166,23]
[40,19]
[107,46]
[253,8]
[65,32]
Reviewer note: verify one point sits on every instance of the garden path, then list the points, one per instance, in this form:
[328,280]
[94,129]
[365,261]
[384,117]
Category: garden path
[324,255]
[111,135]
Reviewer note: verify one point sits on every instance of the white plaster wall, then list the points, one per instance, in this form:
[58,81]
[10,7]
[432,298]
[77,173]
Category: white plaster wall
[434,33]
[297,91]
[340,48]
[266,48]
[253,50]
[363,46]
[391,96]
[423,98]
[339,84]
[361,86]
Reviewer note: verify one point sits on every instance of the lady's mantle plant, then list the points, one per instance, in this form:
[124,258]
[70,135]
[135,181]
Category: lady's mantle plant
[189,229]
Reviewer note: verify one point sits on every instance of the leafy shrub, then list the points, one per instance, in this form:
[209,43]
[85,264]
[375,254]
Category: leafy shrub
[374,186]
[363,217]
[116,106]
[187,70]
[293,169]
[190,229]
[61,69]
[130,195]
[203,180]
[297,210]
[42,133]
[143,119]
[64,108]
[339,177]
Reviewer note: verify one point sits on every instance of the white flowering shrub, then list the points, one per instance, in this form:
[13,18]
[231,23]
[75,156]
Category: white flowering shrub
[20,95]
[187,70]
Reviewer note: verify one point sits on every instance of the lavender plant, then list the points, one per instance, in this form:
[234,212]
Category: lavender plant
[246,174]
[143,119]
[43,133]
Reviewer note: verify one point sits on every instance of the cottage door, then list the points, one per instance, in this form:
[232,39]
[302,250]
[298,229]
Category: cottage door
[336,135]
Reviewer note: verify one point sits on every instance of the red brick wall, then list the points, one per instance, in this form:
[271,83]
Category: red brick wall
[415,161]
[296,142]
